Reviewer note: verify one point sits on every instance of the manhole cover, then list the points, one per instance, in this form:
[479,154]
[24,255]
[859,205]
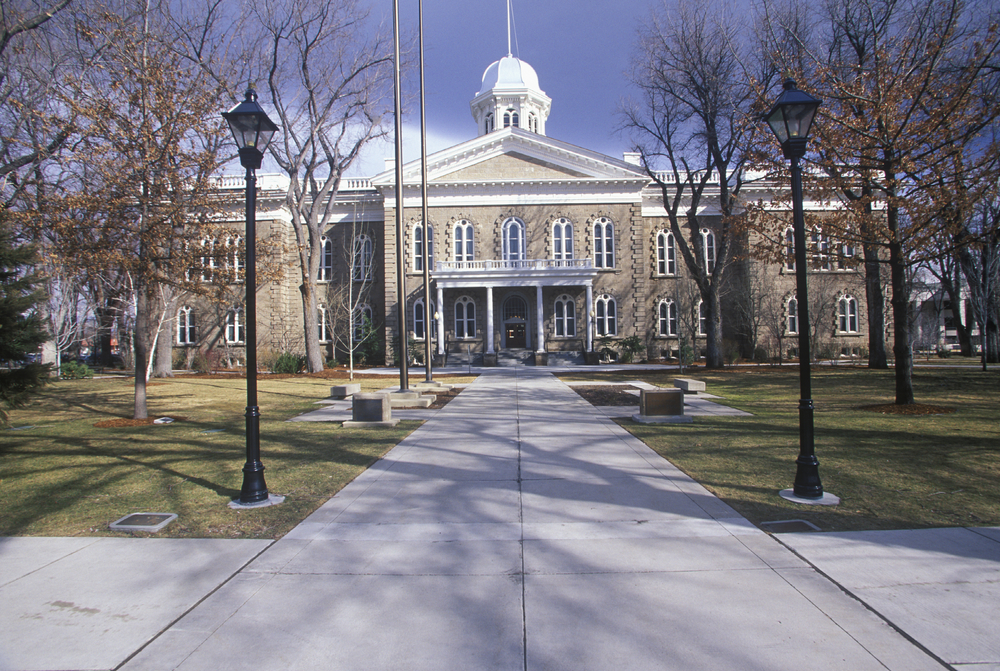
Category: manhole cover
[788,526]
[150,522]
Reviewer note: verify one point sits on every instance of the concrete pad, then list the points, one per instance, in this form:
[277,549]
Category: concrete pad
[425,501]
[389,622]
[745,619]
[106,599]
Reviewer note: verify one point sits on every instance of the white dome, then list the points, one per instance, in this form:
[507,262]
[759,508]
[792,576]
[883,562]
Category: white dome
[509,73]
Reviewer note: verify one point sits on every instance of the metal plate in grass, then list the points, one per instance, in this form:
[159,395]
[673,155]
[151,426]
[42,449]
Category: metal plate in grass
[788,526]
[149,522]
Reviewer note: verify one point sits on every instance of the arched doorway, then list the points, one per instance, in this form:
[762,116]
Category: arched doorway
[515,323]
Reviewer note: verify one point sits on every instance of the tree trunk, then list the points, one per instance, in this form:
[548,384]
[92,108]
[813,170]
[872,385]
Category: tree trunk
[901,334]
[141,351]
[874,299]
[310,308]
[163,360]
[714,357]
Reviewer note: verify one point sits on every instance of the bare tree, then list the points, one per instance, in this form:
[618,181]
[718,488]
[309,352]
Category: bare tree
[695,117]
[328,73]
[909,90]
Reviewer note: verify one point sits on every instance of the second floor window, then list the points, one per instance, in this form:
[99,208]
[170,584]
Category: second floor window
[418,247]
[666,255]
[604,243]
[513,239]
[562,240]
[362,264]
[325,273]
[464,243]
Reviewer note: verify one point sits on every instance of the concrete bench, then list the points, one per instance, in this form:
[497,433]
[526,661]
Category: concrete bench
[689,385]
[342,391]
[661,406]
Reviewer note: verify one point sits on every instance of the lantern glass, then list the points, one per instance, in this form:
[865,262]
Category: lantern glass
[250,125]
[792,116]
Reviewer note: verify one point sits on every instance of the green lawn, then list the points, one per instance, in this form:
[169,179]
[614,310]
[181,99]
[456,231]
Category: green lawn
[891,471]
[65,477]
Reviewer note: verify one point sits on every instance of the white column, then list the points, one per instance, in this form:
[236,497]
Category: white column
[590,321]
[489,320]
[540,340]
[440,322]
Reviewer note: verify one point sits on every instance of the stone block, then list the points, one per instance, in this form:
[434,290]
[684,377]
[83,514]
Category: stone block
[345,390]
[655,402]
[689,385]
[371,408]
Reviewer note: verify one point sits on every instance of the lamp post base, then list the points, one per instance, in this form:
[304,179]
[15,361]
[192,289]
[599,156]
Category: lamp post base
[826,500]
[271,500]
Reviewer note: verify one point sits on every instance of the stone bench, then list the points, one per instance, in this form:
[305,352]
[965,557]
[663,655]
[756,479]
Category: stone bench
[688,385]
[661,406]
[342,391]
[371,410]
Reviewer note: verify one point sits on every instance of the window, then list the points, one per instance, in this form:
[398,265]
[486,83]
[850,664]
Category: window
[235,256]
[702,318]
[235,327]
[464,243]
[668,318]
[562,240]
[604,243]
[532,122]
[513,239]
[793,316]
[418,247]
[363,323]
[666,254]
[420,320]
[565,316]
[847,311]
[789,249]
[607,313]
[708,250]
[207,260]
[362,258]
[489,125]
[325,273]
[845,260]
[323,322]
[821,250]
[510,118]
[185,326]
[465,318]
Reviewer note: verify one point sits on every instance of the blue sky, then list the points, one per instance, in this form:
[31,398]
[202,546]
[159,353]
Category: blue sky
[579,48]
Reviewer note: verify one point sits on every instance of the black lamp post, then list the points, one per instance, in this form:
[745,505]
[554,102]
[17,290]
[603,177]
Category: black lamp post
[790,120]
[253,131]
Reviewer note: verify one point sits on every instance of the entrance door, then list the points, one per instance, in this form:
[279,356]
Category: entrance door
[516,336]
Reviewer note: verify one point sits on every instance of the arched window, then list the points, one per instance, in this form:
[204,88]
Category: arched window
[325,273]
[562,240]
[513,239]
[792,325]
[666,254]
[361,265]
[702,318]
[418,247]
[847,311]
[420,320]
[606,315]
[465,318]
[235,326]
[604,243]
[185,326]
[565,317]
[323,322]
[464,243]
[489,125]
[532,122]
[510,118]
[668,318]
[708,249]
[845,260]
[789,249]
[364,324]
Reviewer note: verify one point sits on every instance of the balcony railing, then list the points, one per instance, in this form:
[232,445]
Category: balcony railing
[527,264]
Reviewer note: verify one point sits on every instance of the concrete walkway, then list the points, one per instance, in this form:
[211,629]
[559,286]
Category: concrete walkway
[516,529]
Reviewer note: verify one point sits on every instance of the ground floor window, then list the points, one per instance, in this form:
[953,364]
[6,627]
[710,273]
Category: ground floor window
[185,326]
[465,318]
[668,318]
[606,314]
[565,317]
[420,319]
[848,314]
[235,326]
